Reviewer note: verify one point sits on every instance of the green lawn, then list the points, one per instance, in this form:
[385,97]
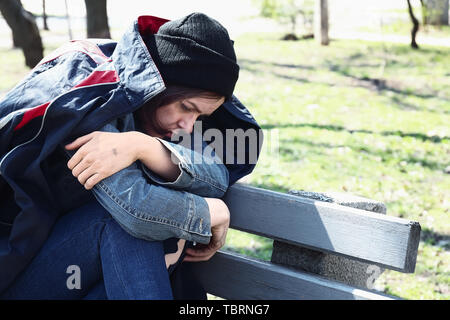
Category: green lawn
[12,69]
[370,119]
[404,26]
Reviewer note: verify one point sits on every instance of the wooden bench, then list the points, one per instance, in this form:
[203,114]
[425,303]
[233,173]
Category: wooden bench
[322,234]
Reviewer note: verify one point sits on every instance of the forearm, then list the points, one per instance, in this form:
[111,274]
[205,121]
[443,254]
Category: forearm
[202,175]
[155,156]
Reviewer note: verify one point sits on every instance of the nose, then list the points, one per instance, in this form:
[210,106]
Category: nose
[187,123]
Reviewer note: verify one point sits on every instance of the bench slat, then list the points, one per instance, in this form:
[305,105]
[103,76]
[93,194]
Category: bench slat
[232,276]
[386,241]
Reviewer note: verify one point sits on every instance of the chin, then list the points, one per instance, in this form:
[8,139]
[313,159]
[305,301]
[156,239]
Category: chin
[152,133]
[165,136]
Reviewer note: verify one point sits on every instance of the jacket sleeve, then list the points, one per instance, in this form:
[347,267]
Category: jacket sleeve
[202,175]
[152,212]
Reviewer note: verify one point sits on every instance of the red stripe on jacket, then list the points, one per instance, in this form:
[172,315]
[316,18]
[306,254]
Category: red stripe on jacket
[99,77]
[31,114]
[95,78]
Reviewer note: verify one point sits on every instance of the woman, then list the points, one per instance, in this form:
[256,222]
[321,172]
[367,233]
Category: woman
[118,218]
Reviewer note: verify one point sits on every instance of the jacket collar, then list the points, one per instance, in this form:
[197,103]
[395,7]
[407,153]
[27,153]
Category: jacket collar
[138,74]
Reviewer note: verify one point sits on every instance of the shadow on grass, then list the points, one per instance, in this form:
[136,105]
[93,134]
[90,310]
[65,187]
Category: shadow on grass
[331,127]
[252,66]
[382,85]
[404,50]
[384,155]
[433,238]
[274,64]
[378,85]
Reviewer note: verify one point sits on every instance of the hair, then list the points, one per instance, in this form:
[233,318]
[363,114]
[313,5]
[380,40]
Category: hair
[171,94]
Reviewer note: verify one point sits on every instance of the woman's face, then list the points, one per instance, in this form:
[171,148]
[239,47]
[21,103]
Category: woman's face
[180,115]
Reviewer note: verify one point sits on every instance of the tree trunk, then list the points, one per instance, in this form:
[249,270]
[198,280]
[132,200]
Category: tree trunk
[25,31]
[69,27]
[97,19]
[415,26]
[321,22]
[44,16]
[16,42]
[435,12]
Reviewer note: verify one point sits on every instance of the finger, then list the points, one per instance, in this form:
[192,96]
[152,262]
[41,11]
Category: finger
[85,175]
[193,252]
[212,246]
[200,252]
[75,159]
[80,167]
[78,156]
[92,181]
[189,258]
[80,141]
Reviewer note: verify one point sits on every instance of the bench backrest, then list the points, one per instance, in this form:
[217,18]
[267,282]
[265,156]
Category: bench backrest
[386,241]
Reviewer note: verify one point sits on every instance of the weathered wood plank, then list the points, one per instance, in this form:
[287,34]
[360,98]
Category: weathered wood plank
[232,276]
[386,241]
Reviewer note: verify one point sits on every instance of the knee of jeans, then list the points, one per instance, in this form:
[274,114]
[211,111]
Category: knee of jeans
[114,237]
[93,211]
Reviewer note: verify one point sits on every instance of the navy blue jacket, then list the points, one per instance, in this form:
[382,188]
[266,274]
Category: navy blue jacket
[78,89]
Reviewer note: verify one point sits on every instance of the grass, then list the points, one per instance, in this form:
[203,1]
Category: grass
[404,28]
[13,68]
[402,25]
[361,117]
[366,118]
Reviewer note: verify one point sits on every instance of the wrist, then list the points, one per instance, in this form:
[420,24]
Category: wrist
[218,211]
[142,144]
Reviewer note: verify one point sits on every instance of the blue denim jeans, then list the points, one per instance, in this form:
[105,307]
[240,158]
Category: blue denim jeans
[110,264]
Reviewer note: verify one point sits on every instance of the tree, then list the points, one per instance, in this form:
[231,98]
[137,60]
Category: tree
[69,27]
[321,22]
[44,16]
[97,19]
[435,12]
[25,31]
[415,28]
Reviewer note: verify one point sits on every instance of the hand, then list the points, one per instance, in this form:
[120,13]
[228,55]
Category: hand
[101,154]
[220,221]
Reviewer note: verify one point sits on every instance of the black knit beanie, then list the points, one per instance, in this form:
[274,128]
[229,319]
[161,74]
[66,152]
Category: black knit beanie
[195,51]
